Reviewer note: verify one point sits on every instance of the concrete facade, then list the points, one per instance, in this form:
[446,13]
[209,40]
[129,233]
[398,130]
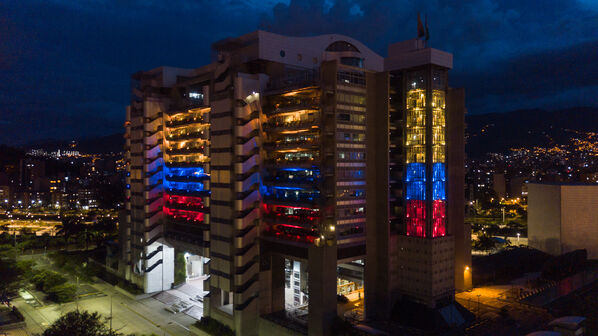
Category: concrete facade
[563,218]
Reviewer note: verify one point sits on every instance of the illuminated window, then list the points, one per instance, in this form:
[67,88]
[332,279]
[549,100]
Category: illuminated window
[438,136]
[438,154]
[416,154]
[415,117]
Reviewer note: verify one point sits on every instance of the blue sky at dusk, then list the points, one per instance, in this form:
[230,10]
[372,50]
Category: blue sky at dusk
[65,65]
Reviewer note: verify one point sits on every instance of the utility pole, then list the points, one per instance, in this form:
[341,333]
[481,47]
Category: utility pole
[111,294]
[77,294]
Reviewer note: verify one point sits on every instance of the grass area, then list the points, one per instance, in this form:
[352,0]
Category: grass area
[77,264]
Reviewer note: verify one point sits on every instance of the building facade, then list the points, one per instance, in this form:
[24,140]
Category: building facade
[297,168]
[563,218]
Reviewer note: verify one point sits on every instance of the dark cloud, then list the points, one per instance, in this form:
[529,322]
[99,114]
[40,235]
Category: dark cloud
[535,80]
[65,64]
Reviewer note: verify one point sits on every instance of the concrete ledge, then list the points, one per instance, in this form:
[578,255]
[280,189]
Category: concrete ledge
[268,327]
[14,325]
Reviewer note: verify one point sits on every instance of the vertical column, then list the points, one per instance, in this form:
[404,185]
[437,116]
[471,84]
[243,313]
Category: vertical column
[278,283]
[377,262]
[455,123]
[322,289]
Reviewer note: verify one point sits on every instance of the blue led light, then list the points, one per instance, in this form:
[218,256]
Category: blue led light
[438,190]
[287,188]
[438,172]
[184,186]
[415,172]
[184,172]
[415,190]
[290,194]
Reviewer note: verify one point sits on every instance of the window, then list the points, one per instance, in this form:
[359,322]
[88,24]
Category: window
[355,78]
[351,212]
[351,137]
[352,61]
[350,193]
[351,98]
[351,155]
[341,46]
[351,117]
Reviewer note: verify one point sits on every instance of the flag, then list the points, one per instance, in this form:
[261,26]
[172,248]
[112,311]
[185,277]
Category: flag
[420,27]
[427,30]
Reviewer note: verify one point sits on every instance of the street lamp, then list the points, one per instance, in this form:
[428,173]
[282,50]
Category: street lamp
[518,235]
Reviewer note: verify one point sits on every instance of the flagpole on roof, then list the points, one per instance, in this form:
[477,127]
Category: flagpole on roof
[427,31]
[420,28]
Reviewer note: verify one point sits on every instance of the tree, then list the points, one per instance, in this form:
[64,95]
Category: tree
[70,226]
[484,242]
[103,229]
[10,278]
[62,293]
[79,323]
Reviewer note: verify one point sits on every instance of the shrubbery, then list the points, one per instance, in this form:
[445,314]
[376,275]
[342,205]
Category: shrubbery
[62,293]
[214,327]
[55,285]
[75,264]
[44,280]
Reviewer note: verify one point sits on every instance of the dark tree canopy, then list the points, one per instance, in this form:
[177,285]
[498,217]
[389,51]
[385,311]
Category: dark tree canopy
[79,323]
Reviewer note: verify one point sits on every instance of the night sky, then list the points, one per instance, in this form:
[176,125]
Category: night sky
[65,65]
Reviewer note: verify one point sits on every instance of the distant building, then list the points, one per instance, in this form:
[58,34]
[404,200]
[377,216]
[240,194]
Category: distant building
[4,194]
[87,199]
[499,185]
[563,218]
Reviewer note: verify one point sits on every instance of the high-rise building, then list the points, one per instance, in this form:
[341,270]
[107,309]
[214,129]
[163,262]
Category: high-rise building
[295,168]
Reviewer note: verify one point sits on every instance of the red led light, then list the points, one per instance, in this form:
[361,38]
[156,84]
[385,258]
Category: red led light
[192,216]
[439,219]
[189,201]
[416,218]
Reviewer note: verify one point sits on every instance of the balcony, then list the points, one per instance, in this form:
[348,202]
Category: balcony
[186,121]
[281,126]
[192,149]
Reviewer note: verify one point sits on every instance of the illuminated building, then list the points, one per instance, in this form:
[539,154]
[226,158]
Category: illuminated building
[268,165]
[427,255]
